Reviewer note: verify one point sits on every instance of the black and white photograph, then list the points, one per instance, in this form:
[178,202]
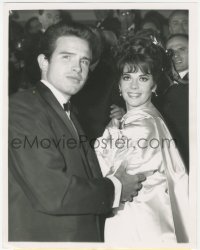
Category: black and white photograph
[100,125]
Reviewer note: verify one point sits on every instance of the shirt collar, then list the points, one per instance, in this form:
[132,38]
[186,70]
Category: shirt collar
[183,73]
[58,94]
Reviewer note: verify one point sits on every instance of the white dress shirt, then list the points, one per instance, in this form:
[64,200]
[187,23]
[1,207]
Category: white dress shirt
[61,98]
[183,73]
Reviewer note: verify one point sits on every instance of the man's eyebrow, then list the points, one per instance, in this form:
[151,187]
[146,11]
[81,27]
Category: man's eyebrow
[71,53]
[65,52]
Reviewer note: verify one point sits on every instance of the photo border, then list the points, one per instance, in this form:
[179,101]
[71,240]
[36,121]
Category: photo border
[193,30]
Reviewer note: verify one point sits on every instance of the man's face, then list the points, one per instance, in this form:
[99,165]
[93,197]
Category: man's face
[179,23]
[35,27]
[49,17]
[68,66]
[150,25]
[126,18]
[179,45]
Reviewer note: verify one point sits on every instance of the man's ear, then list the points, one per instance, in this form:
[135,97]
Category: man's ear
[43,62]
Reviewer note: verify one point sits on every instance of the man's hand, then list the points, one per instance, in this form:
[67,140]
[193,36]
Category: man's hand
[131,184]
[116,112]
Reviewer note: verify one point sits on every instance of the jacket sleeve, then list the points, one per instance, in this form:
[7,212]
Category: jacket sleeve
[42,172]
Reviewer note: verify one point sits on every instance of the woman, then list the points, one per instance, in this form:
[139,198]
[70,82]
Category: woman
[143,143]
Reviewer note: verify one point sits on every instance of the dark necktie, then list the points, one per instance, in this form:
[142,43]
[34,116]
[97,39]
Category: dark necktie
[67,106]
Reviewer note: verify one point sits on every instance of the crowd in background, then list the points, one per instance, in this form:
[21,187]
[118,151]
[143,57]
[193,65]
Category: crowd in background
[93,102]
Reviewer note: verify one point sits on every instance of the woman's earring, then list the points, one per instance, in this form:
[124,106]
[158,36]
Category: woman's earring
[120,92]
[155,93]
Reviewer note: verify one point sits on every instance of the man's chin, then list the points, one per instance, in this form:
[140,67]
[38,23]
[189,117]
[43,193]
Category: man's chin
[180,69]
[74,92]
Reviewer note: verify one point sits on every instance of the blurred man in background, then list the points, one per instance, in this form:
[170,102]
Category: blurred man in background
[48,18]
[176,99]
[178,22]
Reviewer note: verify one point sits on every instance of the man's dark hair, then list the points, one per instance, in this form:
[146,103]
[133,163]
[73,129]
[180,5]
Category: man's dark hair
[48,41]
[40,12]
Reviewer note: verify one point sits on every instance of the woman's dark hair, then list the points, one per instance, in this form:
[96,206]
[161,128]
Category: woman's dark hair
[48,41]
[141,51]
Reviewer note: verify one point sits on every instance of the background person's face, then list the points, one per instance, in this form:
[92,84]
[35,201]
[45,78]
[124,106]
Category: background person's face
[149,25]
[49,17]
[69,64]
[136,88]
[179,24]
[179,45]
[126,18]
[35,27]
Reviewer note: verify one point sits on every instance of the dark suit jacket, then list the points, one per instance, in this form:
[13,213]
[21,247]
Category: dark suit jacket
[56,190]
[175,111]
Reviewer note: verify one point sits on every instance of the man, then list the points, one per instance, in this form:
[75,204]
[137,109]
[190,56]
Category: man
[178,22]
[178,44]
[106,21]
[175,101]
[32,26]
[56,190]
[48,18]
[129,20]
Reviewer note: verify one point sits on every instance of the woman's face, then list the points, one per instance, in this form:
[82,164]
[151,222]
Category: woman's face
[136,88]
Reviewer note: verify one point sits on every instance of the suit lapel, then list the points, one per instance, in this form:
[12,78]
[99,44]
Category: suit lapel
[186,77]
[48,96]
[87,153]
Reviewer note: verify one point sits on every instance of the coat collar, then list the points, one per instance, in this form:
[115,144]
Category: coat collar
[48,96]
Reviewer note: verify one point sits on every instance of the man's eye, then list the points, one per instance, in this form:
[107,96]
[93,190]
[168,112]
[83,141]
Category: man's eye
[66,57]
[181,49]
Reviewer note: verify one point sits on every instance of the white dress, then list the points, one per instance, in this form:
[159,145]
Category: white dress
[159,213]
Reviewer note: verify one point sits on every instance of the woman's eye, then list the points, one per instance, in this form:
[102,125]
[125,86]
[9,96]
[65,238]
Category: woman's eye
[85,62]
[126,77]
[143,79]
